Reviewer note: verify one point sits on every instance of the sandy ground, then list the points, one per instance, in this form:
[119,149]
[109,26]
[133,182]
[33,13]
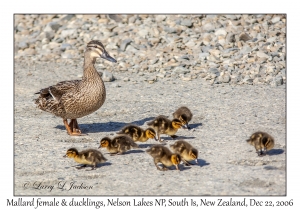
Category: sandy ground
[224,117]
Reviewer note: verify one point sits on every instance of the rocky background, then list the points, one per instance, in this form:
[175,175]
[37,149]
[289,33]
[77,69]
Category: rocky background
[236,49]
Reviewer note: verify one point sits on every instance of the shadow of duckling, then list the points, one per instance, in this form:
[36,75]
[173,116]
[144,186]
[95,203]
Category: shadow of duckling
[275,152]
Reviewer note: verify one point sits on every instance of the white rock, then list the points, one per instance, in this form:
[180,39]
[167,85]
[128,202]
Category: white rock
[262,54]
[68,32]
[275,19]
[221,31]
[107,76]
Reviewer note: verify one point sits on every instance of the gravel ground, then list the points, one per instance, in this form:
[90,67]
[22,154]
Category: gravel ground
[225,115]
[235,49]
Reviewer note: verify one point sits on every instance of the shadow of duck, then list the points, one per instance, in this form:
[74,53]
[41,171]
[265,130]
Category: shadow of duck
[107,126]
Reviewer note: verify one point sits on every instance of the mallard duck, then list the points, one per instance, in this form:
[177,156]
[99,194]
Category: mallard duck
[118,145]
[163,155]
[77,98]
[163,125]
[261,140]
[86,157]
[187,152]
[184,115]
[137,133]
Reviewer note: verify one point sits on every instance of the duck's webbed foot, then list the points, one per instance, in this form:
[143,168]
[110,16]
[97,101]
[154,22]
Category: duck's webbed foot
[261,153]
[75,126]
[72,128]
[81,167]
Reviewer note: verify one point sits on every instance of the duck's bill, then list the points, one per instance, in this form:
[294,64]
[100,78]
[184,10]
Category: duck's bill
[65,156]
[185,126]
[99,147]
[106,56]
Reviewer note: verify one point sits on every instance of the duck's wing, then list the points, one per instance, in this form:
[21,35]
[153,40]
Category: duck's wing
[60,88]
[49,99]
[180,147]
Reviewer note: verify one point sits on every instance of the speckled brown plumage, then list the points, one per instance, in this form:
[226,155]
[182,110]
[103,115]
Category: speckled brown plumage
[77,98]
[187,151]
[86,157]
[137,133]
[162,125]
[162,154]
[119,144]
[261,141]
[184,114]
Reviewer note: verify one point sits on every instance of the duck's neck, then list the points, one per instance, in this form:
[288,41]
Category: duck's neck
[88,66]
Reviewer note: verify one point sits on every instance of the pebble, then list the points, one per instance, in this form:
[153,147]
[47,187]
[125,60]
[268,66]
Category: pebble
[221,31]
[224,78]
[180,70]
[115,85]
[126,79]
[246,49]
[124,44]
[108,76]
[22,45]
[186,22]
[245,37]
[262,54]
[275,19]
[176,44]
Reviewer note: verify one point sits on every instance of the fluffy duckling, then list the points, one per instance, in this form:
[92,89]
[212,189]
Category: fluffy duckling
[163,125]
[118,145]
[187,152]
[184,115]
[261,140]
[86,157]
[163,155]
[138,134]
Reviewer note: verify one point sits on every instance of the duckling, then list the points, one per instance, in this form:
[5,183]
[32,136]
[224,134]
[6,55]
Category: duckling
[163,155]
[118,145]
[184,115]
[86,157]
[261,140]
[187,152]
[163,125]
[137,133]
[77,98]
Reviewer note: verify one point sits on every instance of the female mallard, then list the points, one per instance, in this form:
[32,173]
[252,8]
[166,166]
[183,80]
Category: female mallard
[77,98]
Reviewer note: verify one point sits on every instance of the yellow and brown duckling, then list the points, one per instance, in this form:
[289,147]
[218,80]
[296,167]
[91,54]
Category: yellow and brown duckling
[162,125]
[86,157]
[77,98]
[162,154]
[261,140]
[118,145]
[137,133]
[186,151]
[184,114]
